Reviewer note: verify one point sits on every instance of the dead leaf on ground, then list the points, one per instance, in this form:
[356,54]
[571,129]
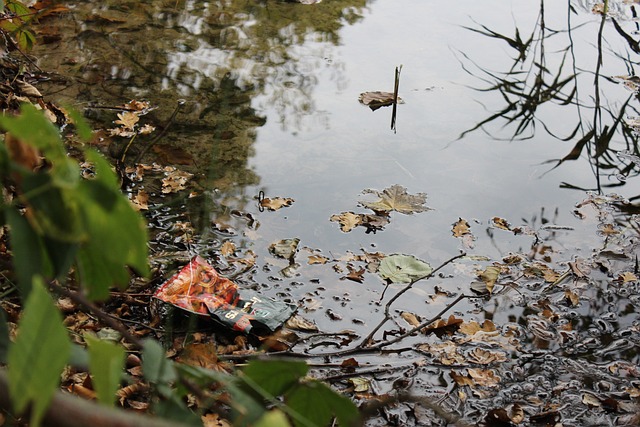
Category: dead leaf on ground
[127,120]
[214,420]
[276,203]
[347,220]
[204,356]
[396,198]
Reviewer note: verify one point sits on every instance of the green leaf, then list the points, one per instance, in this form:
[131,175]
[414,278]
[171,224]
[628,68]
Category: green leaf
[106,364]
[39,354]
[403,268]
[275,376]
[29,253]
[273,418]
[33,128]
[156,367]
[319,404]
[175,409]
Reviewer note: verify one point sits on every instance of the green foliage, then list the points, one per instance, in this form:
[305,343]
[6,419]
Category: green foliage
[17,25]
[86,222]
[39,354]
[106,363]
[320,404]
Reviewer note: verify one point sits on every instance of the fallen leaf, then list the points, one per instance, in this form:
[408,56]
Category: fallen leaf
[489,276]
[214,420]
[627,277]
[403,268]
[175,181]
[443,327]
[360,384]
[276,203]
[501,223]
[410,318]
[317,259]
[141,201]
[484,377]
[299,323]
[377,99]
[396,198]
[446,352]
[204,356]
[460,228]
[354,275]
[228,248]
[472,327]
[572,298]
[127,120]
[348,220]
[374,223]
[285,248]
[486,357]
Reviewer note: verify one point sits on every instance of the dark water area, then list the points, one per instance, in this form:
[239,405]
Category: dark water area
[524,111]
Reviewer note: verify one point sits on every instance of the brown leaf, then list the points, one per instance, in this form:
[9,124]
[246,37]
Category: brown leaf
[377,99]
[444,327]
[276,203]
[228,248]
[460,228]
[446,352]
[299,323]
[214,420]
[501,223]
[204,356]
[127,120]
[348,220]
[21,153]
[349,365]
[490,276]
[141,201]
[486,357]
[281,340]
[175,180]
[396,198]
[484,377]
[317,259]
[572,298]
[470,328]
[410,318]
[355,275]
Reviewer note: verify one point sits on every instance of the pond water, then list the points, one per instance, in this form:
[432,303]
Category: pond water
[270,93]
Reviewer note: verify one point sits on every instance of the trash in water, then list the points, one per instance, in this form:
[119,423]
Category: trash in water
[198,288]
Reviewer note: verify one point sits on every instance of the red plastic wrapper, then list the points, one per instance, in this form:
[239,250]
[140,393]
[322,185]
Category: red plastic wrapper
[199,288]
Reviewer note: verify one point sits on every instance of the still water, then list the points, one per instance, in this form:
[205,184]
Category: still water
[270,94]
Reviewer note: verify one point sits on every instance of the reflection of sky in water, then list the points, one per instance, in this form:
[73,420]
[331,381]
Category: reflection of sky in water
[344,148]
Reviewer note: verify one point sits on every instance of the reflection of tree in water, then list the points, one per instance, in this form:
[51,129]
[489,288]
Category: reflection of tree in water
[218,56]
[532,90]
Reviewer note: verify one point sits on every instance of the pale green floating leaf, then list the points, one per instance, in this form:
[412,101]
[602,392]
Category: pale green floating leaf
[403,268]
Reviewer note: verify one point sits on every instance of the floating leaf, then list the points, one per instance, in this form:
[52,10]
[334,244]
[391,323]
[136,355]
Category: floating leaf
[354,275]
[317,259]
[360,384]
[403,268]
[348,220]
[377,99]
[276,203]
[471,328]
[489,276]
[410,318]
[396,198]
[444,327]
[299,323]
[285,248]
[486,357]
[501,223]
[460,228]
[227,248]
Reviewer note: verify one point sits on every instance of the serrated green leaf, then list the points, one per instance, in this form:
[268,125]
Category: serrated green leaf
[403,268]
[106,362]
[156,367]
[39,354]
[319,404]
[275,376]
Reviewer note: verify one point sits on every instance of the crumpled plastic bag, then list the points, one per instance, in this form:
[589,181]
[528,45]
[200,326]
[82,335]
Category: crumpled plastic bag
[198,288]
